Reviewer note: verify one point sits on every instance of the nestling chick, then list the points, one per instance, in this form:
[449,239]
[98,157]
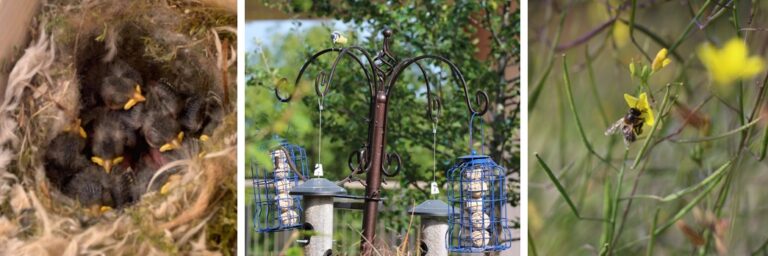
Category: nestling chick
[121,179]
[193,116]
[121,89]
[163,99]
[145,170]
[213,117]
[162,132]
[89,188]
[111,138]
[64,158]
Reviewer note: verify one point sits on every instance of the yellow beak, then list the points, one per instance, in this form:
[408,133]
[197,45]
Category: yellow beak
[174,144]
[135,98]
[204,138]
[82,132]
[76,126]
[107,164]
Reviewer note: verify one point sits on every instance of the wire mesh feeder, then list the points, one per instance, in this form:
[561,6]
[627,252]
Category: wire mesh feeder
[477,221]
[276,209]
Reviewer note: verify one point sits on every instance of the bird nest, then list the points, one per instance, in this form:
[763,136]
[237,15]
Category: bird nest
[184,45]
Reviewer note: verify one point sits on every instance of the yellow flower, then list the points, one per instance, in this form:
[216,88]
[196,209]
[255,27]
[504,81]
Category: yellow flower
[641,104]
[661,60]
[620,34]
[729,63]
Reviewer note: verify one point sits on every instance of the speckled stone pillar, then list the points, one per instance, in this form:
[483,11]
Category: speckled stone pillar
[433,231]
[319,213]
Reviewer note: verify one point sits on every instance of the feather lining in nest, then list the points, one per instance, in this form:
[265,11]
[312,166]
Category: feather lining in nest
[188,44]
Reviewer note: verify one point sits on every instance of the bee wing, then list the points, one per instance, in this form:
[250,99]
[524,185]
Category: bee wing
[616,127]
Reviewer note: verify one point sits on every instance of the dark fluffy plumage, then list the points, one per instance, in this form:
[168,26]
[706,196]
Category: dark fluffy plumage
[89,187]
[64,158]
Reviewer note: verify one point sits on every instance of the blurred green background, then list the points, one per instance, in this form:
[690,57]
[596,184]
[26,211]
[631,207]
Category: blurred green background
[596,38]
[480,37]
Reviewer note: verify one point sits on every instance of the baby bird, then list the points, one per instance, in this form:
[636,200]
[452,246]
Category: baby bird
[121,88]
[193,116]
[163,99]
[162,131]
[213,117]
[145,170]
[89,188]
[121,180]
[64,158]
[110,140]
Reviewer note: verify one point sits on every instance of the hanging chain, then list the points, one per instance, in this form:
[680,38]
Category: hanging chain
[319,166]
[435,120]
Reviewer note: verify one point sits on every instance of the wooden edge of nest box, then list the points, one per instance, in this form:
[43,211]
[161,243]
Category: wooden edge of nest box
[16,17]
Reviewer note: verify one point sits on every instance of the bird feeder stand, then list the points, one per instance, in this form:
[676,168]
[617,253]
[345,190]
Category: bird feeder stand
[381,70]
[318,194]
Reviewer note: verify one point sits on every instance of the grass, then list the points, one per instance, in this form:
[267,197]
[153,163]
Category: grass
[697,170]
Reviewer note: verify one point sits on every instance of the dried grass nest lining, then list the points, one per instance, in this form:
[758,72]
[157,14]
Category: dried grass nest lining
[184,43]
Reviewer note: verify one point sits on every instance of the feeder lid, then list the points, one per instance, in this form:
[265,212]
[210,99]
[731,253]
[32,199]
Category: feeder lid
[431,208]
[318,187]
[477,159]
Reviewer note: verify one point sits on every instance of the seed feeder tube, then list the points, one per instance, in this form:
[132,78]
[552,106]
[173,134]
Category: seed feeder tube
[434,226]
[318,194]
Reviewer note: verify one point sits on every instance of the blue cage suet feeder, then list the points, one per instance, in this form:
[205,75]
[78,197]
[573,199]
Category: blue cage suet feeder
[275,208]
[478,217]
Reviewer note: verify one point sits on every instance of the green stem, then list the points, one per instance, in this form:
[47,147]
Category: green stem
[615,204]
[652,240]
[561,189]
[632,31]
[536,92]
[688,28]
[687,208]
[595,93]
[676,195]
[572,105]
[722,135]
[607,235]
[531,245]
[653,128]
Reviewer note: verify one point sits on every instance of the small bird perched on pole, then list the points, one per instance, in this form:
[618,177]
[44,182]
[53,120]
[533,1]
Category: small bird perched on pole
[338,38]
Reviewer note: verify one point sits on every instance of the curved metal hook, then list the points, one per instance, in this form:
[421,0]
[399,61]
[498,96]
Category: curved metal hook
[434,109]
[362,161]
[345,51]
[277,93]
[321,81]
[481,98]
[312,59]
[387,162]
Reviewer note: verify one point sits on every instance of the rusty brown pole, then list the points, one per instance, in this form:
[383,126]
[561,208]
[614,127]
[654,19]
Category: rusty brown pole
[373,178]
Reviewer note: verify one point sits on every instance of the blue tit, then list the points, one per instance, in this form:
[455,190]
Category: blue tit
[338,38]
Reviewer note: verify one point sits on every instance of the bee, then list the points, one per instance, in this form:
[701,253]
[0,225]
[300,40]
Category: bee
[631,125]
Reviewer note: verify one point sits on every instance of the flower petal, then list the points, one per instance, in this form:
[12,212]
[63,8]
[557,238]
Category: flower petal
[642,102]
[631,100]
[752,66]
[648,117]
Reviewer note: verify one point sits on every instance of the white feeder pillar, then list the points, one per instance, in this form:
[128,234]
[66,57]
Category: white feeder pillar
[434,226]
[318,196]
